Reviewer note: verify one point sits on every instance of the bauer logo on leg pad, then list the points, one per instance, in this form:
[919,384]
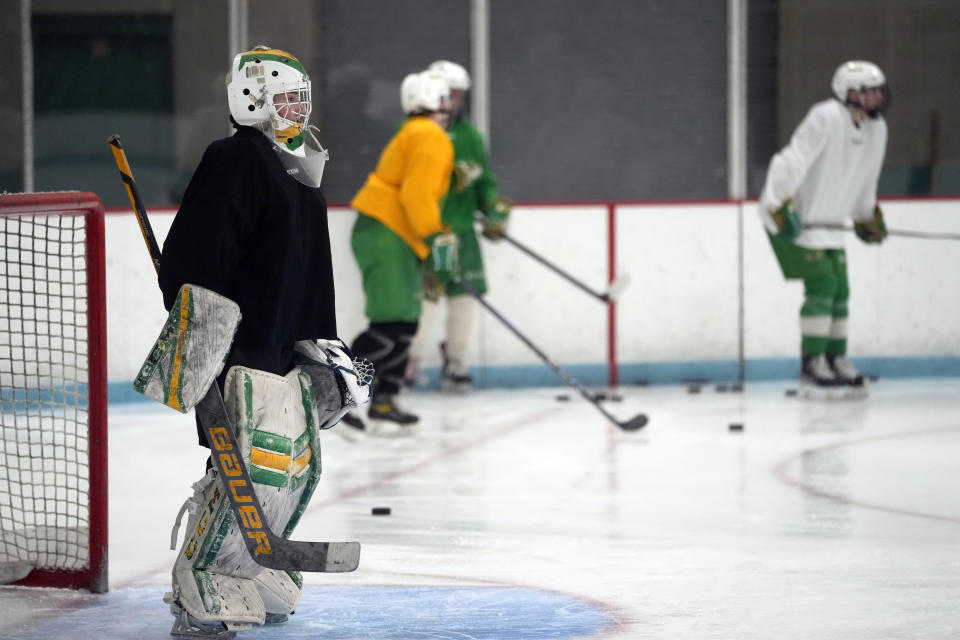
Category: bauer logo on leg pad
[250,519]
[191,349]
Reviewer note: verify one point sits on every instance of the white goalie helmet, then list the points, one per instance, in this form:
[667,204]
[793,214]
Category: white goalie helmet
[454,74]
[859,75]
[269,89]
[423,93]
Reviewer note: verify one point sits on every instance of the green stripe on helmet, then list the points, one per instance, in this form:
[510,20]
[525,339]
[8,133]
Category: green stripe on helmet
[259,56]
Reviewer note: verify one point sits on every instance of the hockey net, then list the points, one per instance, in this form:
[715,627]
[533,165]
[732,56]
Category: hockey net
[53,438]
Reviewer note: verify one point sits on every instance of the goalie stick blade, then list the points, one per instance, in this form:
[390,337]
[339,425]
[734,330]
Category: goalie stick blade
[266,548]
[617,286]
[13,571]
[319,557]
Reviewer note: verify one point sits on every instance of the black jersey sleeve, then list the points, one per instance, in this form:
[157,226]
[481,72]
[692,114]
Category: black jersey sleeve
[215,220]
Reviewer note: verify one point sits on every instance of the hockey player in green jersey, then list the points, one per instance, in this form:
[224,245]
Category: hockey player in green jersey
[473,188]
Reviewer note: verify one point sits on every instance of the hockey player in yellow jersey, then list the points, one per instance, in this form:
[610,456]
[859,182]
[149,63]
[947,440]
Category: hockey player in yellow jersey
[399,231]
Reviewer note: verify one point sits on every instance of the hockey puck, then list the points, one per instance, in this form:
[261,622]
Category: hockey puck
[790,393]
[737,388]
[721,388]
[693,389]
[563,397]
[380,511]
[735,426]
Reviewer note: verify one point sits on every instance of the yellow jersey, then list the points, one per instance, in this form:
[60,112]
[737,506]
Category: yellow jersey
[412,177]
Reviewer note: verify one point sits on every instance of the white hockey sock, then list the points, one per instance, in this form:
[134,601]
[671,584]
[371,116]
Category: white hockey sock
[428,314]
[459,329]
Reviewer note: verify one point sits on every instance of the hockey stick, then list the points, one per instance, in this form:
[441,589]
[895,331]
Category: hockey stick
[610,295]
[127,176]
[633,424]
[927,235]
[266,548]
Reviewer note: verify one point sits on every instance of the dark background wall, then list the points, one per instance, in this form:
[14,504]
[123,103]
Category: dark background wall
[590,99]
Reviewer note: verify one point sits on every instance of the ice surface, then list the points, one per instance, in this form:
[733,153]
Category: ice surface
[517,516]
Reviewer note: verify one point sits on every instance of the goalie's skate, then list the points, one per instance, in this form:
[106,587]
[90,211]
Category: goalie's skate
[186,626]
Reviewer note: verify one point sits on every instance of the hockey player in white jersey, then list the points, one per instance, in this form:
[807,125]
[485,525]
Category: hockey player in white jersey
[826,175]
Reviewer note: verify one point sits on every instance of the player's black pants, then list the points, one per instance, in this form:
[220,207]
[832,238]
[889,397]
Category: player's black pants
[387,346]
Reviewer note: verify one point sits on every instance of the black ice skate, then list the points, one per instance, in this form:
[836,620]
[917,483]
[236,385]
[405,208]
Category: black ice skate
[853,381]
[456,383]
[386,419]
[845,371]
[452,381]
[818,380]
[352,427]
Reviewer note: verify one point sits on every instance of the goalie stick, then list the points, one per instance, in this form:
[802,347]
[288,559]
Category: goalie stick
[633,424]
[926,235]
[614,289]
[265,547]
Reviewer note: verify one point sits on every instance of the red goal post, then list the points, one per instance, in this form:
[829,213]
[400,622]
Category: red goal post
[53,391]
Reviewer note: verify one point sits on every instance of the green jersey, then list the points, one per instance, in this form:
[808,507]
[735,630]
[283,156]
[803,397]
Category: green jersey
[472,186]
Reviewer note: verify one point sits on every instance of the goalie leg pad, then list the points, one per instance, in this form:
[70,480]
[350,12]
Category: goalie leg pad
[191,349]
[280,591]
[276,421]
[206,596]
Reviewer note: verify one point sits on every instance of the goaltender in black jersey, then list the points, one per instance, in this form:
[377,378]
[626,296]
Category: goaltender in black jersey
[247,278]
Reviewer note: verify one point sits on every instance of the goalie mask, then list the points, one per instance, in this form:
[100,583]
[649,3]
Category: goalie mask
[858,76]
[269,89]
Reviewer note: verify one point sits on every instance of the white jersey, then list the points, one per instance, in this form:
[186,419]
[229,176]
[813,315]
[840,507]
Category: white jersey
[830,169]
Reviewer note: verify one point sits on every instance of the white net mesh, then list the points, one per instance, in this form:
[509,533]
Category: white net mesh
[44,400]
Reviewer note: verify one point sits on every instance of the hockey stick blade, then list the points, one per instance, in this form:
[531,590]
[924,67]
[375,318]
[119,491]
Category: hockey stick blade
[266,548]
[617,286]
[635,423]
[13,571]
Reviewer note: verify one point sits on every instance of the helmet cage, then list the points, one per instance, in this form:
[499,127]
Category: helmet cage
[297,110]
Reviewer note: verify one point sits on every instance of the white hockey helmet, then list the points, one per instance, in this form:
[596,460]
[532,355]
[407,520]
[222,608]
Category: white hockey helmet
[424,93]
[859,75]
[269,88]
[455,75]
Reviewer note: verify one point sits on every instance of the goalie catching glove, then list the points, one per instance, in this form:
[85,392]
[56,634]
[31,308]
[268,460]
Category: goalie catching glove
[340,381]
[495,220]
[443,259]
[787,220]
[872,231]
